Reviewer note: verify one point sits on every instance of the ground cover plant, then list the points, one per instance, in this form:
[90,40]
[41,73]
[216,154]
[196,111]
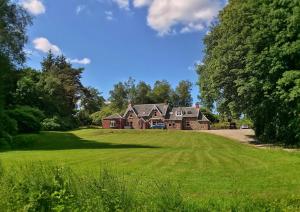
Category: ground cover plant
[151,170]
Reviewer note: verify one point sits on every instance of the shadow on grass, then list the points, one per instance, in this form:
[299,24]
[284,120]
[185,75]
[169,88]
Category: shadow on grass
[64,141]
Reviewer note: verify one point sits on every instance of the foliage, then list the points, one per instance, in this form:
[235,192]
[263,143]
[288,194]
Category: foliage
[143,93]
[161,92]
[61,86]
[51,124]
[244,121]
[211,117]
[252,64]
[27,92]
[221,125]
[98,116]
[83,118]
[91,100]
[182,95]
[28,119]
[118,97]
[13,22]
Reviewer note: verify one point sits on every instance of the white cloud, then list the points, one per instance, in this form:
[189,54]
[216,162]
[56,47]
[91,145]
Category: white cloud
[44,45]
[35,7]
[109,15]
[189,15]
[123,4]
[141,3]
[80,8]
[84,61]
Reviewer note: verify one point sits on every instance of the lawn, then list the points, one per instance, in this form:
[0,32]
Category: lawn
[204,166]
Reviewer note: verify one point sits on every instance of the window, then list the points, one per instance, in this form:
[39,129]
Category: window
[187,123]
[189,112]
[179,113]
[173,124]
[112,123]
[155,113]
[130,116]
[170,125]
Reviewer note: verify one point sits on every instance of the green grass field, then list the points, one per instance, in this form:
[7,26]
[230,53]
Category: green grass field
[204,166]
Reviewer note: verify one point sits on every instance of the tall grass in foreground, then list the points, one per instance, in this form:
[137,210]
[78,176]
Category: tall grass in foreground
[47,187]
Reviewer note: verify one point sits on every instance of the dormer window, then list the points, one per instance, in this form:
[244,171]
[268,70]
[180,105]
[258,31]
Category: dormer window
[179,113]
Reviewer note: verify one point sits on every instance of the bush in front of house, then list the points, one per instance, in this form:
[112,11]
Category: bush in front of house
[220,125]
[27,118]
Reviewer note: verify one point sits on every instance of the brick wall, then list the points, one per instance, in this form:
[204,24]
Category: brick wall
[173,125]
[194,124]
[119,123]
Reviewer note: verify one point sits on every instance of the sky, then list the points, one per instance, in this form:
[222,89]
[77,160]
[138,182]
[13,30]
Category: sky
[113,40]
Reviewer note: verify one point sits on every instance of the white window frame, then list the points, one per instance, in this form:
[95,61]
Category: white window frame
[113,123]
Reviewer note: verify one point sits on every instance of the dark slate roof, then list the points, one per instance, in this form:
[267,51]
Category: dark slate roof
[114,116]
[145,109]
[186,112]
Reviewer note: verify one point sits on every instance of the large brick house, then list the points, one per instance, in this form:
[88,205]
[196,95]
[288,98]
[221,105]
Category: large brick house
[145,116]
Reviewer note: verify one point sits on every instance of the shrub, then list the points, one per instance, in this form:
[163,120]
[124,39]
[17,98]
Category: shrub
[68,123]
[221,125]
[84,118]
[98,116]
[8,127]
[51,124]
[244,121]
[28,119]
[59,123]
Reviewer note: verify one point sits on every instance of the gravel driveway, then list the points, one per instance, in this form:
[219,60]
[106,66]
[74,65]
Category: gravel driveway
[245,135]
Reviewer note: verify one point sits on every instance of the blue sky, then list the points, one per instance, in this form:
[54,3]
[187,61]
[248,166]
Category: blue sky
[113,40]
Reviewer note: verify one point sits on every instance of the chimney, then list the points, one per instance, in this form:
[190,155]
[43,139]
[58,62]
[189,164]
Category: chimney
[130,103]
[197,105]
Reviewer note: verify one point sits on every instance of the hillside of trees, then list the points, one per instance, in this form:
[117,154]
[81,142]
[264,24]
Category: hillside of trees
[252,67]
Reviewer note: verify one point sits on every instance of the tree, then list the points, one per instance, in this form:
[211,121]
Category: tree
[118,97]
[27,91]
[182,96]
[61,86]
[130,89]
[250,53]
[13,23]
[143,93]
[161,91]
[91,100]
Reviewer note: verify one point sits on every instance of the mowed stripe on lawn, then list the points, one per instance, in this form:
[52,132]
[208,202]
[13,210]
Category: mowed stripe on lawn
[204,165]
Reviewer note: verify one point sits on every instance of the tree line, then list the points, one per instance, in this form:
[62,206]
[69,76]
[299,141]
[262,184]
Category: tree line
[251,67]
[54,98]
[143,93]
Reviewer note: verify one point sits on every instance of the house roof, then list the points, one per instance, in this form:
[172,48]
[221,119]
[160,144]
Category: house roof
[146,109]
[114,116]
[186,112]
